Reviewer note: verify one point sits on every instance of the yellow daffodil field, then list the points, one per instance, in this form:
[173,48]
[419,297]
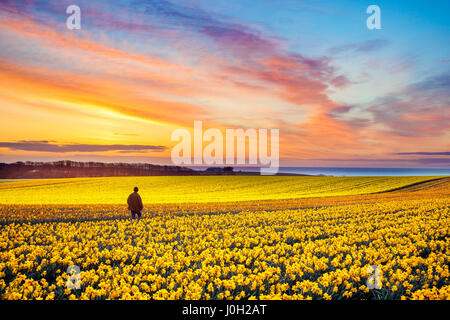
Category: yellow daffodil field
[226,237]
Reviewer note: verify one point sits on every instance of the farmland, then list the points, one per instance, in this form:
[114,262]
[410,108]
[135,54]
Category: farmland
[189,189]
[227,238]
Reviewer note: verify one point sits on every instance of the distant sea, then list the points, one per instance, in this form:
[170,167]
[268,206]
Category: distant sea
[351,172]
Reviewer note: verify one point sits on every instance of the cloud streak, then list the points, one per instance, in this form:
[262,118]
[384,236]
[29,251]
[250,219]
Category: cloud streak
[444,162]
[361,47]
[46,146]
[424,153]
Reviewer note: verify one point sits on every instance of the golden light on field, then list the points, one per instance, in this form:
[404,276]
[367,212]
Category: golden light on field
[193,188]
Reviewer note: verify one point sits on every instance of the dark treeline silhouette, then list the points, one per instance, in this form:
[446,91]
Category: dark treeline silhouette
[72,169]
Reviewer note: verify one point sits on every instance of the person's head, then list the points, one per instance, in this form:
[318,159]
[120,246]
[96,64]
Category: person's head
[136,189]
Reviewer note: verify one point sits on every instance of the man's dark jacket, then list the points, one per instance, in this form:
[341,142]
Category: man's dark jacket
[135,202]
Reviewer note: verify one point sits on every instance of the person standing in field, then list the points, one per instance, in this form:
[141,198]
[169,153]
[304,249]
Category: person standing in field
[135,204]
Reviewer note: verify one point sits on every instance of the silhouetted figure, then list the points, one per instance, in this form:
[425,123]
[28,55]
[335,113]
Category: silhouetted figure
[135,204]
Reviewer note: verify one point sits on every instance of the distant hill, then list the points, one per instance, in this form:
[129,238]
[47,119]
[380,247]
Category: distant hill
[73,169]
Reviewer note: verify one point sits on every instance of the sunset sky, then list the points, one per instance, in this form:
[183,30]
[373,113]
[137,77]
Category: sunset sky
[340,94]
